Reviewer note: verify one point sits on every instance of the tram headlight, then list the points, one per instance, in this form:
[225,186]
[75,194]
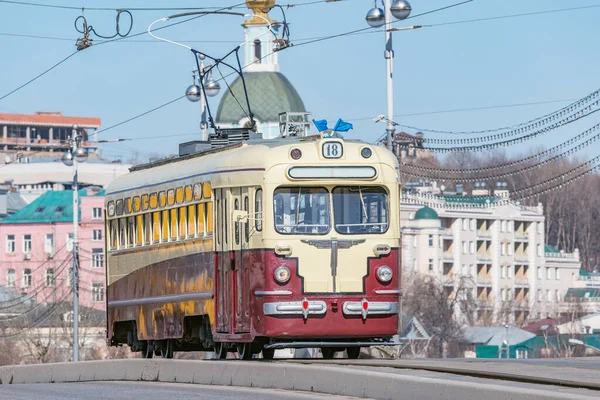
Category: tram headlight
[282,274]
[296,154]
[366,152]
[384,274]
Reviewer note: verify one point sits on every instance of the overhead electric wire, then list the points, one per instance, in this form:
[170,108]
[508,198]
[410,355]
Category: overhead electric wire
[57,6]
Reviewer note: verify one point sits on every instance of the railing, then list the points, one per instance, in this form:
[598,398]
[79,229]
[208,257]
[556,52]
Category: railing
[436,201]
[484,279]
[521,280]
[562,255]
[447,232]
[521,235]
[521,257]
[484,256]
[448,255]
[484,233]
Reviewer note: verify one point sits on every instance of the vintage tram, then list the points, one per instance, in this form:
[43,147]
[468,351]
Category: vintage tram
[256,246]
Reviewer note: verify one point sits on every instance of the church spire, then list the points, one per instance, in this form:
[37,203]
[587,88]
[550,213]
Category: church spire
[259,54]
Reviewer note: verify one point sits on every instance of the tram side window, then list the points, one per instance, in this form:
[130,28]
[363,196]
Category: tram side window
[258,209]
[139,237]
[165,225]
[130,231]
[147,228]
[301,210]
[360,209]
[247,223]
[191,220]
[219,223]
[122,232]
[225,226]
[208,217]
[174,220]
[156,226]
[236,206]
[201,230]
[114,233]
[182,222]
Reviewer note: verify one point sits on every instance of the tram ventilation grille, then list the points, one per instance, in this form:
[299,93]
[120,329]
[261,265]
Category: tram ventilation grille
[229,136]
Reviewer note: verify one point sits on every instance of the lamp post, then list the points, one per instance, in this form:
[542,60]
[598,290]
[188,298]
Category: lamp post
[376,18]
[72,157]
[194,92]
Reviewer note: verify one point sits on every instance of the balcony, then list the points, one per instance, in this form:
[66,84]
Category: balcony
[484,280]
[447,233]
[484,234]
[522,304]
[521,281]
[521,258]
[521,236]
[448,256]
[484,256]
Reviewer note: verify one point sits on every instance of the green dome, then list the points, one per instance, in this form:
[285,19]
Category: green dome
[426,213]
[270,93]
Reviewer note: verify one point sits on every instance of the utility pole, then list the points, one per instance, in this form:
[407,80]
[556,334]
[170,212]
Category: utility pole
[389,57]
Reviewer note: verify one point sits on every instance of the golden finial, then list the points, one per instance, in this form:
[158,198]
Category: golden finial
[261,8]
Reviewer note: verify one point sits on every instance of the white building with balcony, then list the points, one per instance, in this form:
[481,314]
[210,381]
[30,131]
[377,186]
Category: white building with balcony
[491,246]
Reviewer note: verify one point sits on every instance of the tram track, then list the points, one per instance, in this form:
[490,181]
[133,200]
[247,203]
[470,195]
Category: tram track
[528,373]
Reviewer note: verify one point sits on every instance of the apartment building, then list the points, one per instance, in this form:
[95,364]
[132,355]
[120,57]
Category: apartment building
[492,249]
[37,243]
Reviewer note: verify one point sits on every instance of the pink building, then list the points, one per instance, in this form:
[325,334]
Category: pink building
[36,248]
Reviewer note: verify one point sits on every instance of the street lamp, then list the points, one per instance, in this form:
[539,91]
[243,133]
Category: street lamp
[376,17]
[194,92]
[74,155]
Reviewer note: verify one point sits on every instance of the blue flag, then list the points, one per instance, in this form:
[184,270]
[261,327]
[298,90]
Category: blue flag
[321,124]
[342,126]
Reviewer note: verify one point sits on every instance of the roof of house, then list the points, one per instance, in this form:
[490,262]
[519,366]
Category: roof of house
[49,119]
[49,207]
[426,213]
[36,173]
[270,93]
[14,202]
[544,326]
[411,328]
[494,335]
[582,293]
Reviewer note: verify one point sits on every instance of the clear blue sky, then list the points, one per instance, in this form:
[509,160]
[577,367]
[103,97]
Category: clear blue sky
[548,57]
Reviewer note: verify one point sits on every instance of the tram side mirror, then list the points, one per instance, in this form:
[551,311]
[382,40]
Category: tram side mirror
[239,215]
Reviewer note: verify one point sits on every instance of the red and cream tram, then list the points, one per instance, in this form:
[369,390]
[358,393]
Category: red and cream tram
[256,246]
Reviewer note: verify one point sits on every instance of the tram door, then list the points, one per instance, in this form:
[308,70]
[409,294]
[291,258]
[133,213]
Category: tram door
[222,262]
[240,263]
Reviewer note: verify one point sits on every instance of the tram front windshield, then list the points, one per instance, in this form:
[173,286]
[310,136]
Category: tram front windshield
[356,209]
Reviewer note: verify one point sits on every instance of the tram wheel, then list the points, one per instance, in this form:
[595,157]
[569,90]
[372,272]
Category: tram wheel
[353,352]
[244,351]
[147,350]
[327,352]
[220,350]
[268,354]
[166,350]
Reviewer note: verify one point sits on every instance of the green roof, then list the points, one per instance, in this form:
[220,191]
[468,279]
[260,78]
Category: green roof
[270,93]
[550,249]
[49,207]
[583,293]
[426,213]
[470,199]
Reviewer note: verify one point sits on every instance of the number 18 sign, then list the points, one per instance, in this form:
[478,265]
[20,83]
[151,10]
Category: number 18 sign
[332,150]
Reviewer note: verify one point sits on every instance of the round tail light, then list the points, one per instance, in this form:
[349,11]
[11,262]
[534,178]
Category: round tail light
[282,274]
[296,154]
[384,274]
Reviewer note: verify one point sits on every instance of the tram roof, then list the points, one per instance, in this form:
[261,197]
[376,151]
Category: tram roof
[240,157]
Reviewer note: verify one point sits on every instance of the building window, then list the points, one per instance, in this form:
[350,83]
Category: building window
[502,271]
[50,279]
[257,51]
[10,244]
[539,250]
[465,224]
[508,294]
[503,226]
[430,264]
[97,292]
[26,278]
[503,293]
[502,249]
[49,244]
[96,213]
[464,247]
[472,247]
[548,273]
[540,227]
[539,273]
[510,249]
[11,278]
[548,295]
[509,226]
[556,274]
[539,295]
[97,258]
[473,223]
[26,243]
[414,241]
[558,296]
[509,269]
[97,235]
[430,240]
[70,238]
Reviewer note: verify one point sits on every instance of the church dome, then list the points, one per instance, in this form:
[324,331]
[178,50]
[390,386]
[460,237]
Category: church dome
[270,93]
[426,213]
